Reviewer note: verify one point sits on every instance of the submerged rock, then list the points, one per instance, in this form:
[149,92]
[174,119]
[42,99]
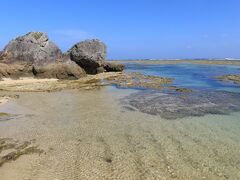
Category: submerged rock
[15,149]
[60,70]
[34,47]
[89,54]
[180,105]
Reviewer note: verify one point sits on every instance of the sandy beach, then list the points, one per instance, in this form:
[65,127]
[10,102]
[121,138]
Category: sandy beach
[30,84]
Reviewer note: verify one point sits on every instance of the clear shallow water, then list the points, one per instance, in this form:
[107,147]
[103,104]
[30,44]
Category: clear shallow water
[90,135]
[191,75]
[210,95]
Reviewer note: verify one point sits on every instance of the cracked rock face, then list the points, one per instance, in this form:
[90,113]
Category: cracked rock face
[34,47]
[89,54]
[60,70]
[180,105]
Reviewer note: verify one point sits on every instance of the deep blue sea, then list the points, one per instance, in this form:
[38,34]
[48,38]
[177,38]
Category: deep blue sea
[193,76]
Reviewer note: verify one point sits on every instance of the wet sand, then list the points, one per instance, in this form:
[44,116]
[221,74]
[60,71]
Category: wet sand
[90,135]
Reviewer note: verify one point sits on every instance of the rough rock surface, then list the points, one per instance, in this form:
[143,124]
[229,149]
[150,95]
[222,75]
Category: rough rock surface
[89,54]
[15,70]
[138,80]
[113,67]
[180,105]
[60,70]
[34,47]
[37,85]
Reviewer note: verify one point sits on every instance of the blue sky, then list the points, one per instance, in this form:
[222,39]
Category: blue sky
[131,28]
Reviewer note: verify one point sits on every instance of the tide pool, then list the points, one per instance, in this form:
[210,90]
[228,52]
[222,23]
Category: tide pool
[193,76]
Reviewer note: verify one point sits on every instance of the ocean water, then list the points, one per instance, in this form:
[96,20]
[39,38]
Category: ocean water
[193,76]
[210,95]
[92,135]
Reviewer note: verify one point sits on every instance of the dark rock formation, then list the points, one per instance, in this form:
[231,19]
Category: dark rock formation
[15,70]
[113,67]
[89,54]
[34,47]
[180,105]
[60,70]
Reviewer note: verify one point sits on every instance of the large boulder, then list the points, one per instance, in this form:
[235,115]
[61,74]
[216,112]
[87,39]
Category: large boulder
[15,70]
[113,67]
[3,56]
[89,54]
[60,70]
[34,47]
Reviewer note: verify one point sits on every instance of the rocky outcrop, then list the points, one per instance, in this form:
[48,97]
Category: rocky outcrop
[89,54]
[35,55]
[142,81]
[34,47]
[3,56]
[60,70]
[15,70]
[113,67]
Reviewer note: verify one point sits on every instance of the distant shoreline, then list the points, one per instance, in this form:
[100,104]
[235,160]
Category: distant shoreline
[215,62]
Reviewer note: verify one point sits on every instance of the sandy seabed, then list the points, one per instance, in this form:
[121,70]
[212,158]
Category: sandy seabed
[89,135]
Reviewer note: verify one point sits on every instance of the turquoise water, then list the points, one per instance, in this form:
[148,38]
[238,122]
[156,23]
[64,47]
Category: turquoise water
[193,76]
